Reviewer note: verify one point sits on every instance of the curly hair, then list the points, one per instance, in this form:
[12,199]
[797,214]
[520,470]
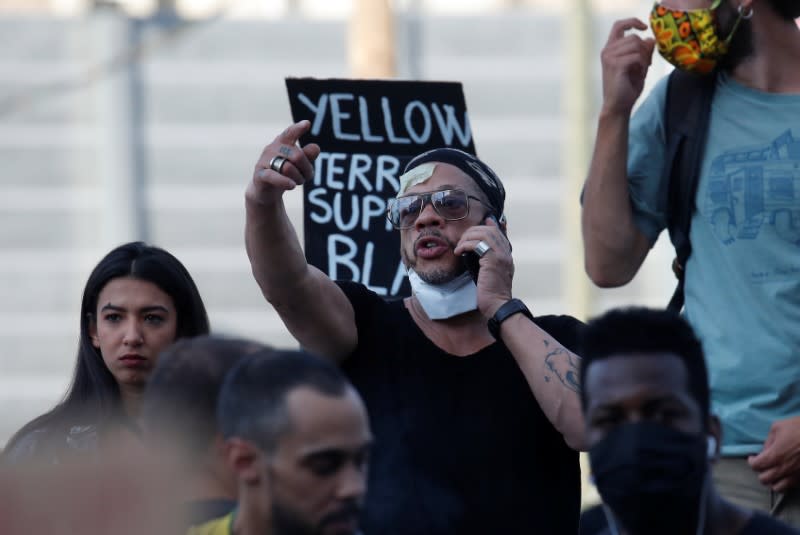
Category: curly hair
[633,331]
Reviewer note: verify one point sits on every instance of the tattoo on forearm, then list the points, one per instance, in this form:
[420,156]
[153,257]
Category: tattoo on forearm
[564,366]
[286,151]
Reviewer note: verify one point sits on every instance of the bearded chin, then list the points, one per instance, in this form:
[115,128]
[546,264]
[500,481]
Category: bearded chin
[285,521]
[440,276]
[741,46]
[434,276]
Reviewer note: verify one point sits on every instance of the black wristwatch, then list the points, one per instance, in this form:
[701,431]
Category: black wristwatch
[509,308]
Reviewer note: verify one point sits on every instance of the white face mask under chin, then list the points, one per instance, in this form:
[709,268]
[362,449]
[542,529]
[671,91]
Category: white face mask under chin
[442,301]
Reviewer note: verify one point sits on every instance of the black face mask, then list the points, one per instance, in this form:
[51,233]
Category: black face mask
[652,478]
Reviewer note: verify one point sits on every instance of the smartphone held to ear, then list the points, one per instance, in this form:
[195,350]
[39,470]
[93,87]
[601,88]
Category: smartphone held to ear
[472,264]
[471,259]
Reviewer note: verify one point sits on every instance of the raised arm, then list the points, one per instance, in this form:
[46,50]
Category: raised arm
[313,307]
[614,247]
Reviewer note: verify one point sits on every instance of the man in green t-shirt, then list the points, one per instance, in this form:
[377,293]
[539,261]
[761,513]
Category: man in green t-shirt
[298,438]
[742,279]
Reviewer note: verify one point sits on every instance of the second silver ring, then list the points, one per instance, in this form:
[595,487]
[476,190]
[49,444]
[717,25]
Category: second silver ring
[276,163]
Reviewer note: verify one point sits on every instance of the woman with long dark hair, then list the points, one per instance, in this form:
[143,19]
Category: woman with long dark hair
[137,301]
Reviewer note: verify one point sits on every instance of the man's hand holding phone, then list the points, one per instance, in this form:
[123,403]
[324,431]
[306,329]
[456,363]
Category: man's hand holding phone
[494,269]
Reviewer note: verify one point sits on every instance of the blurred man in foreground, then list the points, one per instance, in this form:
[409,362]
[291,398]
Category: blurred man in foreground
[298,439]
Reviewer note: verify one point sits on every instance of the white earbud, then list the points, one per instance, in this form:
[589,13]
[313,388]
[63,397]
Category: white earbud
[712,447]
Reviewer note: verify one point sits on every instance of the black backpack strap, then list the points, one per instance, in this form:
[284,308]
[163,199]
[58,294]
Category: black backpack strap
[686,118]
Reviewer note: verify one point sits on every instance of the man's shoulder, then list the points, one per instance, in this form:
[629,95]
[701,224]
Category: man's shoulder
[566,329]
[652,104]
[199,512]
[558,320]
[219,526]
[761,524]
[359,294]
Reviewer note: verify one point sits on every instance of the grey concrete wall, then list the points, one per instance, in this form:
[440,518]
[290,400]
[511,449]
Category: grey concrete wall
[210,97]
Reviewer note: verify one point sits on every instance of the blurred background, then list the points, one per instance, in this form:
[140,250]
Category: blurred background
[143,119]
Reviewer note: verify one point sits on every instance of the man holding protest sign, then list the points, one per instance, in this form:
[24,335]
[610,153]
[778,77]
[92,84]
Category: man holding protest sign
[473,401]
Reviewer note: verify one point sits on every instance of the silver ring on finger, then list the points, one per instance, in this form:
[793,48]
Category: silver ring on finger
[481,248]
[276,163]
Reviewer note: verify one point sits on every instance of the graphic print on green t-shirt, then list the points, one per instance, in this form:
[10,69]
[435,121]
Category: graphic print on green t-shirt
[756,189]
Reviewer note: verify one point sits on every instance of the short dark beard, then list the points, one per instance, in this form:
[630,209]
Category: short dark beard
[286,521]
[441,276]
[742,45]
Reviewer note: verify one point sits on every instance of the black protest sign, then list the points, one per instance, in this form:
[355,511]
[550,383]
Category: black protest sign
[368,130]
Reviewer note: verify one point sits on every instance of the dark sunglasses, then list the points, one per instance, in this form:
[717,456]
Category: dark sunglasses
[451,204]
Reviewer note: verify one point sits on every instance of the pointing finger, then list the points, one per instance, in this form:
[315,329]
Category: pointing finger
[293,133]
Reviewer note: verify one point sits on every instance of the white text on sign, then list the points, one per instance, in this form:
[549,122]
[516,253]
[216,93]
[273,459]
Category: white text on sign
[350,120]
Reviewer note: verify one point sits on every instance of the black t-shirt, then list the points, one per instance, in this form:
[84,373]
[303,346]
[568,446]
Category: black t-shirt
[461,444]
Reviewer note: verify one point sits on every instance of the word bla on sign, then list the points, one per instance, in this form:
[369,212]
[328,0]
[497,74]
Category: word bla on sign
[359,211]
[342,171]
[344,107]
[343,252]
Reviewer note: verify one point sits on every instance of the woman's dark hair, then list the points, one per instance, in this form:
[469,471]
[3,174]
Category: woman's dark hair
[94,392]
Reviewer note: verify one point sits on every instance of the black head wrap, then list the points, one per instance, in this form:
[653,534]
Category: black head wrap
[482,174]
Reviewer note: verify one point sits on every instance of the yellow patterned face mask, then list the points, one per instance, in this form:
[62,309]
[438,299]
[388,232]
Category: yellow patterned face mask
[688,38]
